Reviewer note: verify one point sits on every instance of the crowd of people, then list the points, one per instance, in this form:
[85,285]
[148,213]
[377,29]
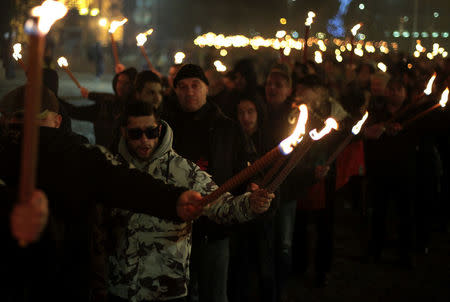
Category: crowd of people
[123,220]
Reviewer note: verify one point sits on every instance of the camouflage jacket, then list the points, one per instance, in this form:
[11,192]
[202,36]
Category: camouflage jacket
[151,258]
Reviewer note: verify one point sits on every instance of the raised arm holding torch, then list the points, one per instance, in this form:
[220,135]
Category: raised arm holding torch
[18,56]
[112,28]
[48,13]
[62,62]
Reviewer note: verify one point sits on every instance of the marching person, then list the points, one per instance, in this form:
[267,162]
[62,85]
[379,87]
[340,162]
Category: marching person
[75,177]
[151,258]
[107,108]
[205,136]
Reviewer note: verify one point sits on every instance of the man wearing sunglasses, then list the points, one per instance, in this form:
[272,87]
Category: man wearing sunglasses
[150,261]
[75,177]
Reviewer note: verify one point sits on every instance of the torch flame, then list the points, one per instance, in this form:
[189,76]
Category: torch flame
[356,28]
[444,98]
[310,19]
[330,123]
[219,66]
[17,49]
[62,62]
[311,14]
[179,57]
[318,57]
[48,12]
[116,24]
[289,143]
[142,37]
[429,88]
[357,127]
[382,66]
[280,34]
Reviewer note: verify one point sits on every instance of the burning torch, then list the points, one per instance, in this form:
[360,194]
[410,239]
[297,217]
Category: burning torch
[112,28]
[308,23]
[141,39]
[37,28]
[18,56]
[442,103]
[354,31]
[282,150]
[299,153]
[355,131]
[62,62]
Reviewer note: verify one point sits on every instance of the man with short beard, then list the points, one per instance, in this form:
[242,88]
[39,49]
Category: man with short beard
[151,258]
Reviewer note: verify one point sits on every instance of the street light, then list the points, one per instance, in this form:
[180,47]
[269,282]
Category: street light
[362,6]
[95,12]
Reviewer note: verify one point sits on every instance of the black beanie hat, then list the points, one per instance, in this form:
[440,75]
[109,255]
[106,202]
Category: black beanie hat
[190,71]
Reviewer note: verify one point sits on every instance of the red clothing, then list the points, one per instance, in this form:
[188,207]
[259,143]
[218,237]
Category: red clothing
[315,197]
[349,163]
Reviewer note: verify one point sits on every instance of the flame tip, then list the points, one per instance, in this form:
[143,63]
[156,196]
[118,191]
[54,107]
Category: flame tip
[48,12]
[330,124]
[288,144]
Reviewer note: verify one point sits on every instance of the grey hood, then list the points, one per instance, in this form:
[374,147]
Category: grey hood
[165,145]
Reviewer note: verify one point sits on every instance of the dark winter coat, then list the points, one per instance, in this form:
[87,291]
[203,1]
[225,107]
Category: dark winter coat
[213,142]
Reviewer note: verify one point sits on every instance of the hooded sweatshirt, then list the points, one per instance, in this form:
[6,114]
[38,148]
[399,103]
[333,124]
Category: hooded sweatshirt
[151,259]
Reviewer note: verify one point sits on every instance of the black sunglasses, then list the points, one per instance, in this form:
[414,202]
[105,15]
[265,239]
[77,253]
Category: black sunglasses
[136,133]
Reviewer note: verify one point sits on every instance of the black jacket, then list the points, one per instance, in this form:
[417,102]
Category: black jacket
[73,176]
[104,114]
[212,141]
